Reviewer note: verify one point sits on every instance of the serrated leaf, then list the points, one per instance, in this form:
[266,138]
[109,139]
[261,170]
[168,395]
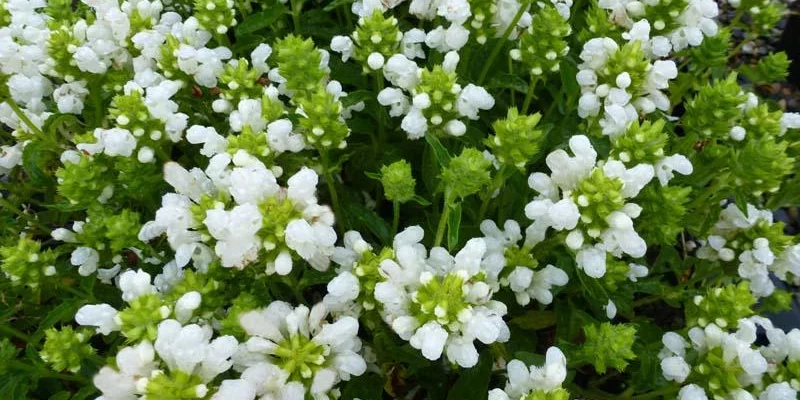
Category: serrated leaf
[473,383]
[270,13]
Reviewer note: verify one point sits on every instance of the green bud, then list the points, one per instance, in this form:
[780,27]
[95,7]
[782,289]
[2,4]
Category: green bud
[398,183]
[175,385]
[772,68]
[714,51]
[516,141]
[640,144]
[441,299]
[761,166]
[556,394]
[608,346]
[5,15]
[597,23]
[723,306]
[376,33]
[321,120]
[168,62]
[254,143]
[779,301]
[83,182]
[140,320]
[714,110]
[66,349]
[116,231]
[480,22]
[26,264]
[438,84]
[215,16]
[543,44]
[230,324]
[466,174]
[664,15]
[663,211]
[299,63]
[367,269]
[58,44]
[597,196]
[239,81]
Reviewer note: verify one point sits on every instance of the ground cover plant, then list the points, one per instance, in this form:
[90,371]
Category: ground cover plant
[420,199]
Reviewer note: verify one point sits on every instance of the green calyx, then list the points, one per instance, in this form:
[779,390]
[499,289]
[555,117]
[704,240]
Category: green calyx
[367,269]
[209,288]
[721,378]
[254,143]
[440,86]
[174,385]
[480,22]
[322,124]
[714,110]
[299,63]
[516,142]
[277,214]
[271,109]
[663,15]
[663,212]
[199,210]
[597,196]
[441,299]
[608,346]
[629,58]
[239,81]
[168,62]
[301,357]
[517,256]
[59,43]
[465,175]
[117,231]
[65,349]
[761,165]
[215,15]
[598,24]
[83,182]
[557,394]
[130,112]
[5,15]
[397,181]
[723,306]
[641,143]
[26,264]
[543,44]
[376,33]
[244,302]
[714,51]
[140,320]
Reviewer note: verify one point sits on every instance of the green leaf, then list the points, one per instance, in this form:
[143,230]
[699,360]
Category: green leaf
[442,156]
[356,96]
[420,200]
[535,319]
[388,351]
[272,10]
[14,386]
[530,358]
[453,226]
[336,3]
[35,159]
[473,383]
[508,81]
[364,387]
[368,219]
[60,396]
[63,312]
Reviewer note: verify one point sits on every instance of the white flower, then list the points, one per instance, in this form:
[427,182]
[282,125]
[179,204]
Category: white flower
[69,97]
[190,349]
[313,242]
[401,72]
[778,391]
[134,365]
[135,284]
[692,392]
[86,259]
[523,381]
[259,57]
[343,45]
[471,99]
[235,231]
[280,333]
[281,138]
[213,142]
[103,316]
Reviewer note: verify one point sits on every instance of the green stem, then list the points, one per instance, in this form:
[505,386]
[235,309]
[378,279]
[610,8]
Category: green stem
[379,85]
[511,71]
[329,181]
[497,183]
[15,333]
[665,392]
[442,224]
[24,118]
[21,366]
[396,217]
[297,8]
[501,43]
[529,96]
